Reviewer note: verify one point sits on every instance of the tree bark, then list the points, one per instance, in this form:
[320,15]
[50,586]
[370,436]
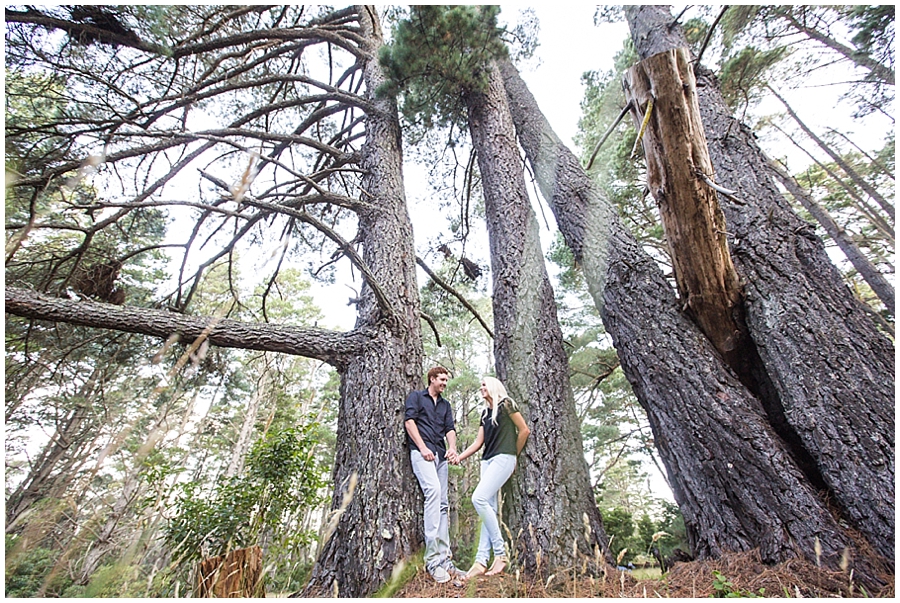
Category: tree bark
[382,525]
[831,369]
[733,478]
[678,168]
[825,372]
[548,501]
[379,361]
[866,269]
[323,345]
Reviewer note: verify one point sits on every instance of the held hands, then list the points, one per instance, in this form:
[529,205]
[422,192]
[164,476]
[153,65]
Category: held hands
[452,456]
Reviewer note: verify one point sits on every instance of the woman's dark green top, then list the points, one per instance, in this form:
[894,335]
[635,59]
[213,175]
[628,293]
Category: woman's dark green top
[500,438]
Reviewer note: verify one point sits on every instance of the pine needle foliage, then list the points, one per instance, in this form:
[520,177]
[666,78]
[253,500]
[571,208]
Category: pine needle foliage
[439,54]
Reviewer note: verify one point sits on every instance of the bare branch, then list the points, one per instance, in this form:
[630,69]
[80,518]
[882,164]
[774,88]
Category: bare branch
[328,346]
[443,284]
[434,330]
[609,131]
[346,248]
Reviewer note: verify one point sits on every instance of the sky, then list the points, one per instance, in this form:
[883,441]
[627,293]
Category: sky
[570,44]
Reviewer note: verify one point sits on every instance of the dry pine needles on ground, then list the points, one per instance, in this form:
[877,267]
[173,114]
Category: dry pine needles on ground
[739,574]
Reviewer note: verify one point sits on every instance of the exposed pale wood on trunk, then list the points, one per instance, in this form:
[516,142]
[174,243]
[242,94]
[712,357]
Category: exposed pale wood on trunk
[235,574]
[711,433]
[825,373]
[830,370]
[676,154]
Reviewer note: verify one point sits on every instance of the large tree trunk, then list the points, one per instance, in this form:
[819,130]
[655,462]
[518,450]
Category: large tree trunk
[825,373]
[736,484]
[549,497]
[382,524]
[380,361]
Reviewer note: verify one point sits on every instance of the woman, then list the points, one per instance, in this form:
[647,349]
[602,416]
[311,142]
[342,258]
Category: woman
[503,433]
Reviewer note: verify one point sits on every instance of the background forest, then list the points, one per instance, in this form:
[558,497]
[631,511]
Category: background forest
[208,165]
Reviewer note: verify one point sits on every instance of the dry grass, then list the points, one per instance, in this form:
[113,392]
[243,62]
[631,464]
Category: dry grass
[744,571]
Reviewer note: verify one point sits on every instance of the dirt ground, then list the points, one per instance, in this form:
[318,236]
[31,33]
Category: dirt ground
[741,575]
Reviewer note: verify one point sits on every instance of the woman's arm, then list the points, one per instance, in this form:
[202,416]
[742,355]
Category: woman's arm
[519,421]
[475,447]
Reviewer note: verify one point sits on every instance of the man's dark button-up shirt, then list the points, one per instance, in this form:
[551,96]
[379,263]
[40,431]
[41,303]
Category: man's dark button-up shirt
[434,420]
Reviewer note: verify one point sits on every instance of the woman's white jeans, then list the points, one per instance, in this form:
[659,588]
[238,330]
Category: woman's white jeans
[494,473]
[432,477]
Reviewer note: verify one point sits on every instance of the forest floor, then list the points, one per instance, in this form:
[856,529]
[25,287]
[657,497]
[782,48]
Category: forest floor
[740,575]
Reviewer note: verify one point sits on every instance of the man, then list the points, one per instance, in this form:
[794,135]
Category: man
[428,418]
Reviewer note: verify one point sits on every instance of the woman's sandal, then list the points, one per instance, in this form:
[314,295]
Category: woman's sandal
[476,570]
[498,566]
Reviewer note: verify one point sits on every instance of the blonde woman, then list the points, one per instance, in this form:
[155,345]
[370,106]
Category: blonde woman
[502,433]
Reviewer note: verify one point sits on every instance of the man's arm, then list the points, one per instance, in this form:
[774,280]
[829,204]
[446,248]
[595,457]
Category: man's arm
[413,430]
[452,456]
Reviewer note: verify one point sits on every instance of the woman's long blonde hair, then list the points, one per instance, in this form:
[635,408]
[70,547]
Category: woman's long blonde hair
[497,393]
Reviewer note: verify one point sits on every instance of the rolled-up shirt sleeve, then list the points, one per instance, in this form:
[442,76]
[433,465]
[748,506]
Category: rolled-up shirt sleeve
[412,407]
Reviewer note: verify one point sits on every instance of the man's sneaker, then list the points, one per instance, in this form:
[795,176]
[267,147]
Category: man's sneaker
[440,575]
[455,572]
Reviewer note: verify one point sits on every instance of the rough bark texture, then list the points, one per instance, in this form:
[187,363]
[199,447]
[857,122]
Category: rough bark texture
[549,499]
[825,374]
[383,522]
[677,162]
[328,346]
[831,369]
[733,478]
[380,361]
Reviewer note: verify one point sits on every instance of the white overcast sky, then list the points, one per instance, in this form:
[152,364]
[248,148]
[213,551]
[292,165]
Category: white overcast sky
[570,44]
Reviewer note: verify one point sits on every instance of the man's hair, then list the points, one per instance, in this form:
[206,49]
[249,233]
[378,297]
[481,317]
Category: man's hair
[435,371]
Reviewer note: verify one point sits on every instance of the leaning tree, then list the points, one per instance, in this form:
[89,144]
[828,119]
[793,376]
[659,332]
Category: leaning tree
[442,57]
[737,419]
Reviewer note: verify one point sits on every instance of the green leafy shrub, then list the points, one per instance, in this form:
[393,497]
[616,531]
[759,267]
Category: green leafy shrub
[282,479]
[26,572]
